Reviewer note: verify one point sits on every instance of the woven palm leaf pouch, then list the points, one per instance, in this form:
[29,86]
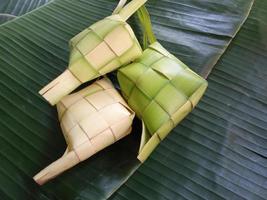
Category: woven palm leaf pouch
[91,120]
[97,50]
[161,90]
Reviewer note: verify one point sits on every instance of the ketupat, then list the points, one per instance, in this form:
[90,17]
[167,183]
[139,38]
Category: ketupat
[97,50]
[91,120]
[162,91]
[159,88]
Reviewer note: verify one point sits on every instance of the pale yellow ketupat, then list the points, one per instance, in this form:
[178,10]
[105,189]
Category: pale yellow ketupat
[91,120]
[96,51]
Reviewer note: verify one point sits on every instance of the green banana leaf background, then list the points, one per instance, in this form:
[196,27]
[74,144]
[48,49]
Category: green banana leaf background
[219,150]
[10,9]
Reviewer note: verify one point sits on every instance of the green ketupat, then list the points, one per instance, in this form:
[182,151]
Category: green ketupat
[160,88]
[162,91]
[97,50]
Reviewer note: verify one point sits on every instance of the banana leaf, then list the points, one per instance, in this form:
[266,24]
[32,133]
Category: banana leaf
[34,50]
[219,150]
[11,9]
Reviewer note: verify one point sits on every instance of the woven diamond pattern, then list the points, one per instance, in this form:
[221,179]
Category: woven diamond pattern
[99,49]
[91,120]
[94,118]
[160,89]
